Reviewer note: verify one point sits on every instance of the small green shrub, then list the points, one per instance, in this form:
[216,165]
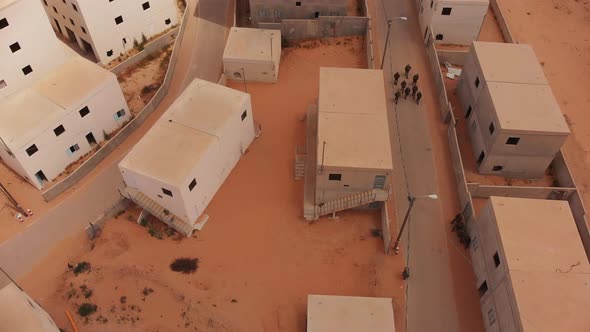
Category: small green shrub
[87,309]
[82,267]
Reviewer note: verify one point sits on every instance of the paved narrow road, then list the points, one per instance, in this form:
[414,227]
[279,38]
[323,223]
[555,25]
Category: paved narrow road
[200,56]
[441,287]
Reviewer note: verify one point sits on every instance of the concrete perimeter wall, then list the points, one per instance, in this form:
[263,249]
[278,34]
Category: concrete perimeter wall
[58,188]
[150,48]
[445,106]
[506,33]
[369,38]
[322,27]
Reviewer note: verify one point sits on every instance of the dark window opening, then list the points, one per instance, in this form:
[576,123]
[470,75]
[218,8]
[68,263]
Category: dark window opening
[146,5]
[477,82]
[237,74]
[75,8]
[119,20]
[31,150]
[72,22]
[482,155]
[45,2]
[15,47]
[27,70]
[167,192]
[483,288]
[168,21]
[492,128]
[335,177]
[74,148]
[513,140]
[491,317]
[192,185]
[446,10]
[2,84]
[83,30]
[439,37]
[431,3]
[54,9]
[120,113]
[496,259]
[298,3]
[85,111]
[244,115]
[316,14]
[110,53]
[497,168]
[468,113]
[59,130]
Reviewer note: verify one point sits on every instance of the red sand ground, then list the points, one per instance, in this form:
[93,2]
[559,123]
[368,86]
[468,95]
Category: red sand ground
[256,249]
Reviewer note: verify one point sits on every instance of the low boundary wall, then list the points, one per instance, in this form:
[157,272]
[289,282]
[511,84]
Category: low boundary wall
[502,23]
[445,106]
[150,48]
[369,37]
[58,188]
[322,27]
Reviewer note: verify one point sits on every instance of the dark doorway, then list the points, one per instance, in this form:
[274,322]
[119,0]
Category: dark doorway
[86,46]
[71,35]
[91,140]
[482,155]
[58,26]
[41,178]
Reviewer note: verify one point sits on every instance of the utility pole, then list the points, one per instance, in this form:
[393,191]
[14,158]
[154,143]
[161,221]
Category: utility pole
[244,79]
[12,200]
[411,199]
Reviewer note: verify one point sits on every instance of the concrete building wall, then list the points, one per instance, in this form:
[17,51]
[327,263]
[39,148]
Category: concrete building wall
[19,312]
[97,22]
[452,22]
[22,41]
[54,154]
[266,71]
[273,11]
[352,181]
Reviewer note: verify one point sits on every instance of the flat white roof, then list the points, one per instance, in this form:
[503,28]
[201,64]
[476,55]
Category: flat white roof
[507,62]
[32,110]
[527,107]
[352,119]
[178,140]
[349,314]
[253,44]
[549,269]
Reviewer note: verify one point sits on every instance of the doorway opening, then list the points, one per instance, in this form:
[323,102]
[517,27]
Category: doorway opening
[41,178]
[91,140]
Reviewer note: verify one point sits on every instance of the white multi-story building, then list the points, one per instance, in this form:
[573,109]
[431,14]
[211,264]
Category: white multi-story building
[108,28]
[28,47]
[64,107]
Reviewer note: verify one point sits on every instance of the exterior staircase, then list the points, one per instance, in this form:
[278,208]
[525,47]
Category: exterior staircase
[300,158]
[349,202]
[159,212]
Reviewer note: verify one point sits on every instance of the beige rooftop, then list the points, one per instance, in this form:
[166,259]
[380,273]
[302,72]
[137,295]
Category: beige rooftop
[352,119]
[349,314]
[245,44]
[548,266]
[175,144]
[527,107]
[504,62]
[48,100]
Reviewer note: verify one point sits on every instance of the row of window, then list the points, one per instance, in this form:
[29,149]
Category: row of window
[14,47]
[31,150]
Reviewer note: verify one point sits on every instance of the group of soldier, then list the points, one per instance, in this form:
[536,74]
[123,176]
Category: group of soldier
[461,229]
[405,89]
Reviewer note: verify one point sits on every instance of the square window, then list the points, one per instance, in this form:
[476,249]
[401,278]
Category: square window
[120,113]
[74,148]
[335,177]
[513,140]
[119,20]
[492,128]
[446,10]
[2,84]
[27,70]
[85,111]
[167,192]
[192,185]
[298,3]
[110,53]
[72,22]
[59,130]
[497,168]
[146,5]
[244,115]
[439,37]
[31,150]
[54,9]
[167,21]
[496,259]
[83,30]
[15,47]
[3,23]
[75,8]
[483,288]
[477,82]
